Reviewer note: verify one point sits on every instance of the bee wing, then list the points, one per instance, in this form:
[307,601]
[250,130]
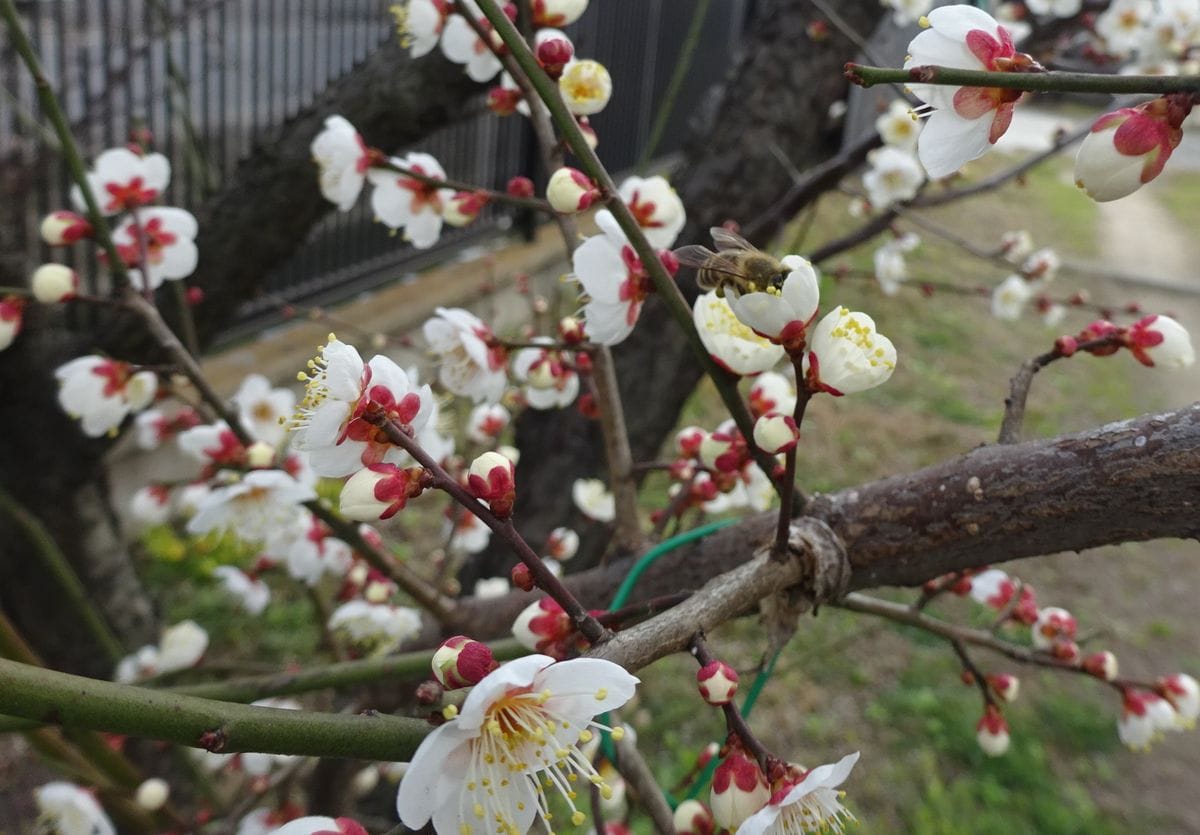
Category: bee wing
[724,239]
[695,256]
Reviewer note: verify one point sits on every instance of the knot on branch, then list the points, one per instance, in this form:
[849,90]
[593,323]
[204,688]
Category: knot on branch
[825,578]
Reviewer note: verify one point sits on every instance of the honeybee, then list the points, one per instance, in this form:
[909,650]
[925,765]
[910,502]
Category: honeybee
[736,264]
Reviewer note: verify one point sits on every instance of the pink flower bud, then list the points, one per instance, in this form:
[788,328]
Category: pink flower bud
[429,692]
[553,54]
[1066,346]
[63,228]
[522,577]
[520,187]
[1160,342]
[693,818]
[503,101]
[1053,625]
[461,209]
[462,662]
[52,283]
[718,683]
[1183,692]
[1005,686]
[12,314]
[1129,147]
[589,133]
[992,733]
[775,433]
[739,789]
[688,441]
[491,479]
[669,260]
[544,627]
[570,191]
[1102,665]
[380,491]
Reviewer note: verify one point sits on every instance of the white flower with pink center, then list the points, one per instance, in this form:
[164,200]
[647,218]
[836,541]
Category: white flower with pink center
[471,363]
[157,245]
[331,423]
[252,594]
[213,444]
[966,121]
[66,808]
[486,422]
[550,383]
[421,23]
[343,160]
[468,535]
[614,280]
[516,734]
[403,202]
[263,502]
[151,505]
[656,207]
[122,180]
[309,551]
[100,392]
[810,804]
[461,45]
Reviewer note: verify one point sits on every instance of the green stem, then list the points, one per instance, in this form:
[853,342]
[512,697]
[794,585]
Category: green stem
[76,702]
[70,151]
[590,164]
[1035,82]
[337,675]
[58,565]
[667,109]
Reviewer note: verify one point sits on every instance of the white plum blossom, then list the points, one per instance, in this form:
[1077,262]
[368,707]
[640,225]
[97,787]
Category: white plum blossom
[122,180]
[317,825]
[490,587]
[594,500]
[469,535]
[377,628]
[421,25]
[101,392]
[550,383]
[732,343]
[1126,149]
[847,355]
[586,87]
[404,202]
[214,444]
[895,176]
[181,646]
[264,410]
[1122,23]
[157,245]
[308,551]
[343,161]
[656,207]
[966,121]
[137,665]
[1010,297]
[330,424]
[486,422]
[67,809]
[1058,8]
[461,45]
[150,505]
[516,734]
[558,12]
[615,281]
[905,12]
[898,126]
[252,594]
[470,362]
[891,269]
[811,804]
[262,502]
[784,313]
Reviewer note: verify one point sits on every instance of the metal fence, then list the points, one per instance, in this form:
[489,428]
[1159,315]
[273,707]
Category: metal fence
[210,78]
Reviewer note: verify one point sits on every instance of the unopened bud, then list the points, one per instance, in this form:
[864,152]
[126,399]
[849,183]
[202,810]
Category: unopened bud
[380,491]
[152,794]
[503,100]
[570,191]
[520,187]
[739,789]
[462,662]
[718,683]
[522,577]
[52,283]
[693,818]
[462,209]
[1102,665]
[775,433]
[553,53]
[1005,686]
[992,733]
[491,479]
[429,692]
[63,228]
[260,455]
[570,330]
[562,544]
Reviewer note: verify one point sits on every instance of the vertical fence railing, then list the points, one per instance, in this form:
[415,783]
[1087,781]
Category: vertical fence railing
[209,79]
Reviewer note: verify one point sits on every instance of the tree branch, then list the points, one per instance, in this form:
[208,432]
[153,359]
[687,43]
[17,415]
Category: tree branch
[1036,82]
